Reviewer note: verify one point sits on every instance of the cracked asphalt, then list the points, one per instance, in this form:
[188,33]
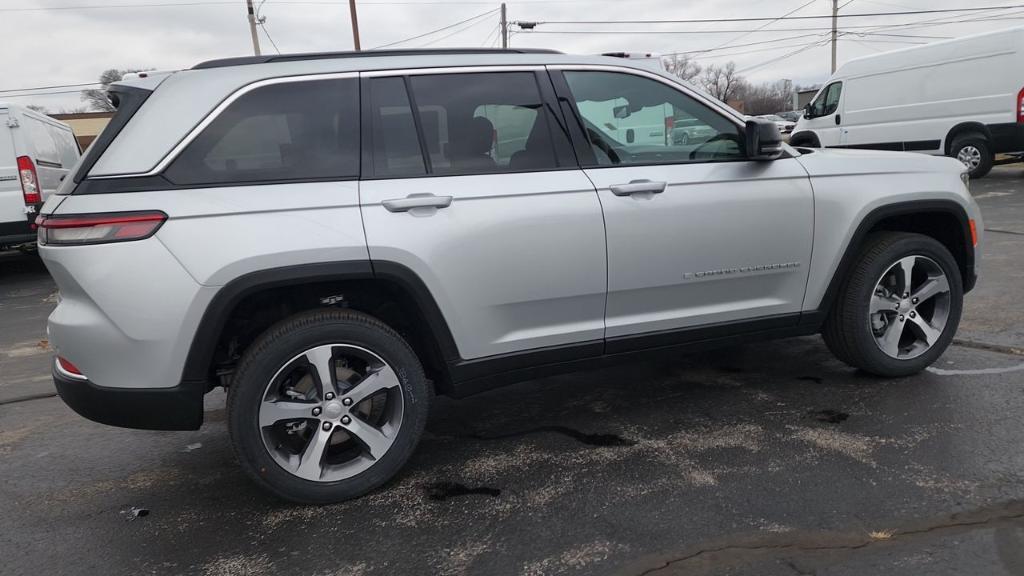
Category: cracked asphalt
[764,459]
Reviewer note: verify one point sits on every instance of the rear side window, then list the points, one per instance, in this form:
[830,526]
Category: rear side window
[396,148]
[291,131]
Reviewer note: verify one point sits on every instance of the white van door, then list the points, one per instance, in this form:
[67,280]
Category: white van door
[12,204]
[824,116]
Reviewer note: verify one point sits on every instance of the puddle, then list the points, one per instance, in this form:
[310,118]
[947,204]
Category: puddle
[602,440]
[830,416]
[445,490]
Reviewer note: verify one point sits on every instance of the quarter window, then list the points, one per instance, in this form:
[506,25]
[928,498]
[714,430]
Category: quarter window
[633,120]
[281,132]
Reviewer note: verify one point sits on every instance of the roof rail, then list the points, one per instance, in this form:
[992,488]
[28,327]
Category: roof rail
[243,60]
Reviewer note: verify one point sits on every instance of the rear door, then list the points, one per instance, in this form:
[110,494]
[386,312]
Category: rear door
[12,203]
[469,181]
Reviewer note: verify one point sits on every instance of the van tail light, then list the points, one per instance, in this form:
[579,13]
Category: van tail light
[29,181]
[1020,106]
[77,230]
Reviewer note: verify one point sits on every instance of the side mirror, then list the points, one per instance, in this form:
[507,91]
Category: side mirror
[763,139]
[621,112]
[807,111]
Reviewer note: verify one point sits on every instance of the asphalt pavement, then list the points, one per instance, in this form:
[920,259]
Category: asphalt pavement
[765,459]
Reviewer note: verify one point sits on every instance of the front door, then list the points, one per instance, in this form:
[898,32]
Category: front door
[697,234]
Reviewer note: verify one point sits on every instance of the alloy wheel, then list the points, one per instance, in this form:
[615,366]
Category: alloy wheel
[331,412]
[909,307]
[970,156]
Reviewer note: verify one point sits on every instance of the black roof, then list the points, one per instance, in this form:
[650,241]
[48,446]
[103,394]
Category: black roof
[242,60]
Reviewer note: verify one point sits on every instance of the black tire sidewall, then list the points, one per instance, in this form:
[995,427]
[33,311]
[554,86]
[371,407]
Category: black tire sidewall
[287,340]
[979,142]
[873,359]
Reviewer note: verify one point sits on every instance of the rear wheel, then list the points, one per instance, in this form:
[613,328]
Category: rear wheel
[326,406]
[899,308]
[974,152]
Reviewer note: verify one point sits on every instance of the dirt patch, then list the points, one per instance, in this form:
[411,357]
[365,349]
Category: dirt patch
[237,565]
[577,558]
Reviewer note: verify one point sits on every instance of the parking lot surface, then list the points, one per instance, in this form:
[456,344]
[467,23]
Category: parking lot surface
[765,459]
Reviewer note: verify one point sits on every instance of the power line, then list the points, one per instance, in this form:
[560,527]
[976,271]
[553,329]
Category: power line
[441,29]
[767,24]
[50,87]
[452,33]
[776,18]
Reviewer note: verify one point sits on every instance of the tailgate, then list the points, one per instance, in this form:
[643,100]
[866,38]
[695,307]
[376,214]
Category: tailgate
[12,203]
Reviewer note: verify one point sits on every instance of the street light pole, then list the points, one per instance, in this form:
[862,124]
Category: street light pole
[355,24]
[252,28]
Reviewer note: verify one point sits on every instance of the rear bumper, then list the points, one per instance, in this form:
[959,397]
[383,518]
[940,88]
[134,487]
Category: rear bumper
[177,408]
[16,233]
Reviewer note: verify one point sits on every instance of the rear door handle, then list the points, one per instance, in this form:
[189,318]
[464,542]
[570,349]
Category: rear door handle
[637,187]
[417,201]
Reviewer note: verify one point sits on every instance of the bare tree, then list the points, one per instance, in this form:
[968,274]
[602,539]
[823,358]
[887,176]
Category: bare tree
[96,98]
[683,66]
[722,82]
[38,108]
[768,98]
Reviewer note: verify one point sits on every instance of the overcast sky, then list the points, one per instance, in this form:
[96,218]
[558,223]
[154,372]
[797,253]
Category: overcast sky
[60,42]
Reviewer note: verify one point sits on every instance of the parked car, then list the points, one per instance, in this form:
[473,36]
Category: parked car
[962,98]
[36,151]
[791,115]
[687,131]
[785,126]
[290,228]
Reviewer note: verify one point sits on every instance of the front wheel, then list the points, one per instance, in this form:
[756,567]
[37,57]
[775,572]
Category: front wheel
[326,406]
[974,152]
[899,308]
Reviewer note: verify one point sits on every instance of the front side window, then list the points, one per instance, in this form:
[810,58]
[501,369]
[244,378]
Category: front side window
[827,101]
[281,132]
[631,119]
[484,122]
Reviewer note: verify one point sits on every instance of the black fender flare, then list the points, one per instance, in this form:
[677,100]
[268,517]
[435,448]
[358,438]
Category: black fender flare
[852,249]
[962,128]
[805,135]
[217,313]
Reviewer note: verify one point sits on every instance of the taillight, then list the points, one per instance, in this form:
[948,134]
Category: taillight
[1020,106]
[74,230]
[29,181]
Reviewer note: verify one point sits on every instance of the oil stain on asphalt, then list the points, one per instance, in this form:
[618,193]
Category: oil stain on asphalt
[446,490]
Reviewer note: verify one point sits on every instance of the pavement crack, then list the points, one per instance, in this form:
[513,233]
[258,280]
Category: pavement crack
[855,542]
[988,346]
[28,398]
[582,437]
[998,231]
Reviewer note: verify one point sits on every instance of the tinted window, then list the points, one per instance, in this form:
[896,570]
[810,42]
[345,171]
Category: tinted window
[487,122]
[630,120]
[396,147]
[292,131]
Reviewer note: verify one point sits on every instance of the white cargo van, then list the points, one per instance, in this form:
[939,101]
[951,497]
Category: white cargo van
[36,152]
[962,98]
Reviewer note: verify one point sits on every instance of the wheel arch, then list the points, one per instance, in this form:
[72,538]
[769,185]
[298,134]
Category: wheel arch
[944,220]
[389,289]
[805,135]
[964,128]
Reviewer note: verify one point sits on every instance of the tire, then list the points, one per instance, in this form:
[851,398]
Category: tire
[278,374]
[974,151]
[857,336]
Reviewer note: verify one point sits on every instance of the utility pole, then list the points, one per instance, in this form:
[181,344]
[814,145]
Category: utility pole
[252,28]
[835,19]
[355,24]
[504,28]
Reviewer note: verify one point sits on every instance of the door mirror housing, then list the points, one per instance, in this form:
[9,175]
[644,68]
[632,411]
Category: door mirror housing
[763,139]
[808,111]
[621,112]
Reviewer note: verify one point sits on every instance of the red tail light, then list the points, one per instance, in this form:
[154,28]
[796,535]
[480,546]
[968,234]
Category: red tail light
[29,181]
[74,230]
[1020,106]
[670,122]
[68,366]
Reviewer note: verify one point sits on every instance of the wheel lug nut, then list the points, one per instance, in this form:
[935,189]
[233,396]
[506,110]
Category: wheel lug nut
[329,396]
[327,426]
[913,301]
[346,420]
[347,401]
[906,294]
[901,317]
[913,314]
[316,411]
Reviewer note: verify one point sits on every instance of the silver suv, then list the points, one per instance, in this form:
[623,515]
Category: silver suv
[336,237]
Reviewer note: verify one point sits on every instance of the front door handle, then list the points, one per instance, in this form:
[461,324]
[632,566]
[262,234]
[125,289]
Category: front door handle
[637,187]
[417,201]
